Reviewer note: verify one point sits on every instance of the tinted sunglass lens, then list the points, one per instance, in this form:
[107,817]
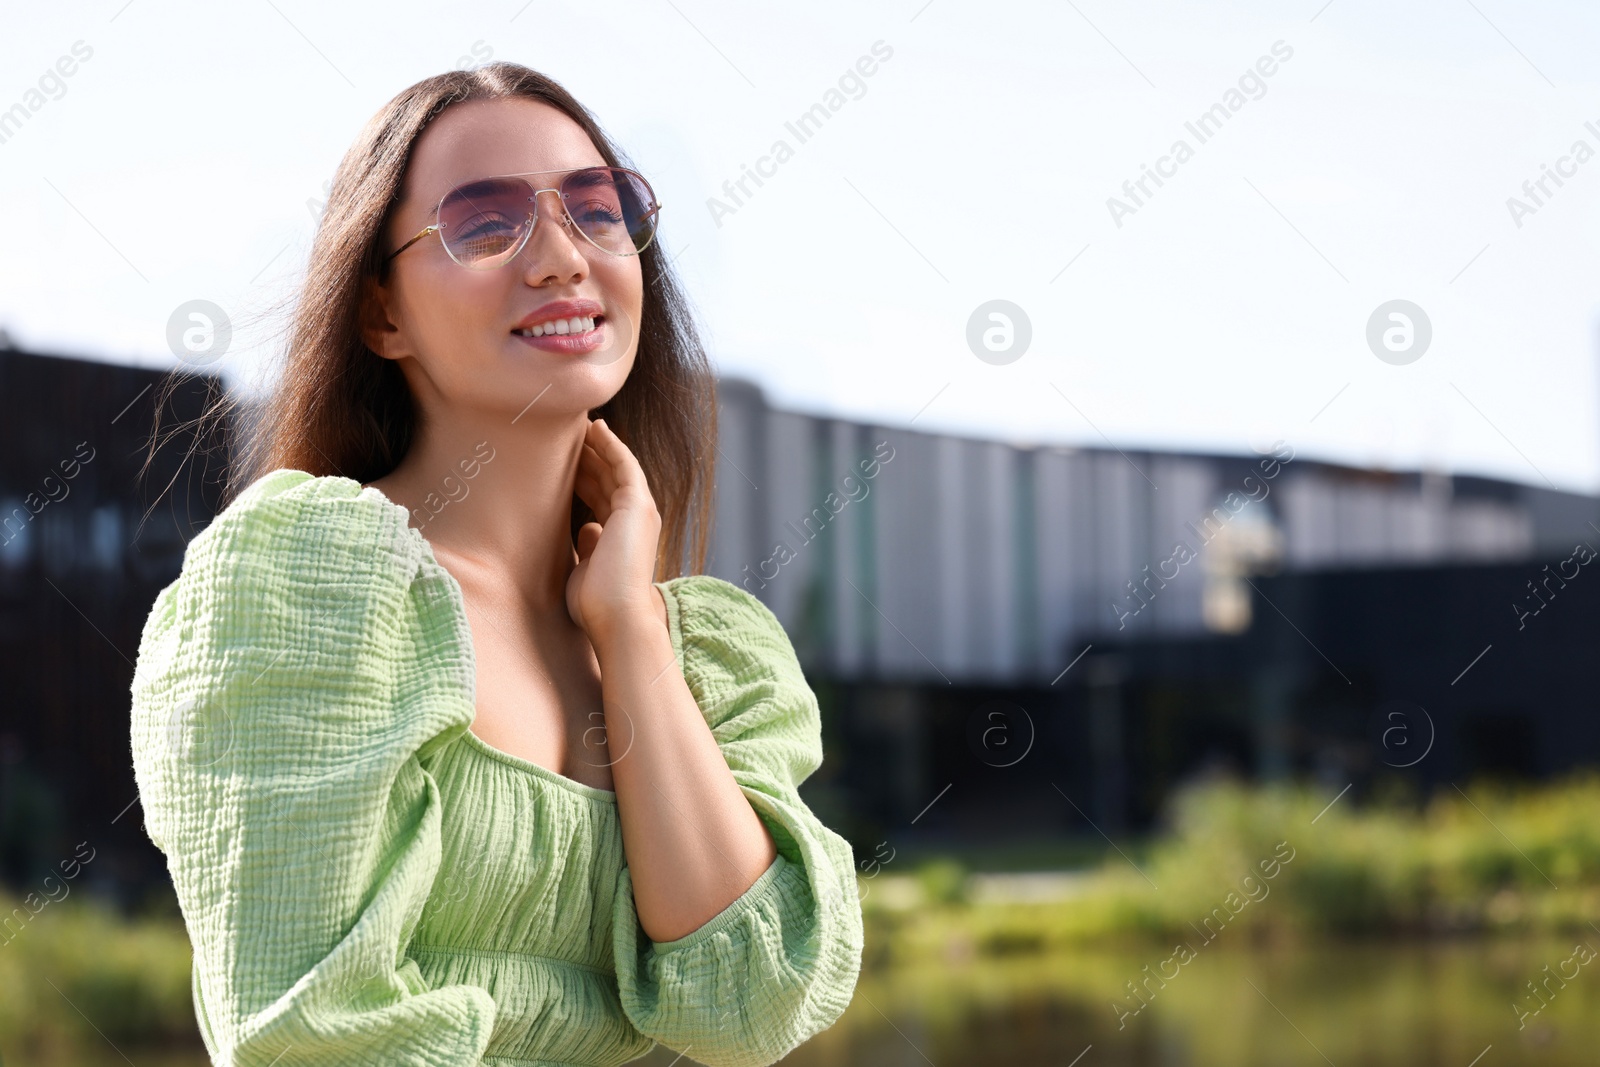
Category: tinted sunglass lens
[614,208]
[484,222]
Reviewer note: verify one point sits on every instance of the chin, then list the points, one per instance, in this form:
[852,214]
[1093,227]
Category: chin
[562,389]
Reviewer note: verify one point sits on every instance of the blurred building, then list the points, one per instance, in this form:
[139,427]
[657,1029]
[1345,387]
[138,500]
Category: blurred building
[82,556]
[1006,641]
[966,560]
[1012,641]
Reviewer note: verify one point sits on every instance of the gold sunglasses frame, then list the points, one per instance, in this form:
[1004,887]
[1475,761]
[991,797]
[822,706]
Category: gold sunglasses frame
[566,215]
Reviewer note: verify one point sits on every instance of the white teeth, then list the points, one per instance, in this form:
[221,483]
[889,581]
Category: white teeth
[560,327]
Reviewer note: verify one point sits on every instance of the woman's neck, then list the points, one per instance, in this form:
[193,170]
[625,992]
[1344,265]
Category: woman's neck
[497,497]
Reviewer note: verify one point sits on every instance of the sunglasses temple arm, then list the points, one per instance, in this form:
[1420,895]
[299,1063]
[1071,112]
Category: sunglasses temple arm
[420,235]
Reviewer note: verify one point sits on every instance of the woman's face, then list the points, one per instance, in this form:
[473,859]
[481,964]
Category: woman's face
[453,329]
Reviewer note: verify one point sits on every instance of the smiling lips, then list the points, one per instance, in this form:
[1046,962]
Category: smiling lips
[570,326]
[560,327]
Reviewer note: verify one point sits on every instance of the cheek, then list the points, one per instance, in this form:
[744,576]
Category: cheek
[622,291]
[469,304]
[622,283]
[450,310]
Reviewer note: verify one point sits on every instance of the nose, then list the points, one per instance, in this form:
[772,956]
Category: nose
[553,251]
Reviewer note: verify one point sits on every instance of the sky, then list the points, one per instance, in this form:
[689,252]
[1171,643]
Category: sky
[1358,153]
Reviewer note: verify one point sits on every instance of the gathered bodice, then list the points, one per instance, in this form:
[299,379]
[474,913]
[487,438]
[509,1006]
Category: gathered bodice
[364,880]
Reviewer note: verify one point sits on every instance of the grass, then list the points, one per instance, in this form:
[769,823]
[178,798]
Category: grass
[1487,863]
[79,960]
[1254,863]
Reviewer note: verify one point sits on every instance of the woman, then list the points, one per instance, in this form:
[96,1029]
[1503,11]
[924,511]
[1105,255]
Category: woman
[449,763]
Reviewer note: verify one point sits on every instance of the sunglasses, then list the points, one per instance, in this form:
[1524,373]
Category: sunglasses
[485,222]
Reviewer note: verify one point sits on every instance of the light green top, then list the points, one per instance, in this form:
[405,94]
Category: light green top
[364,881]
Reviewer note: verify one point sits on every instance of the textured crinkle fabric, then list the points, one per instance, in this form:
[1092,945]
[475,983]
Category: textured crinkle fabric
[781,962]
[364,880]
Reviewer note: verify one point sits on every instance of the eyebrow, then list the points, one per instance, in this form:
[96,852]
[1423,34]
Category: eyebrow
[558,170]
[588,181]
[595,177]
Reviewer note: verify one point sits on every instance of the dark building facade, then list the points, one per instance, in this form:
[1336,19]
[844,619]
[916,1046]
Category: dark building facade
[1417,677]
[82,556]
[957,605]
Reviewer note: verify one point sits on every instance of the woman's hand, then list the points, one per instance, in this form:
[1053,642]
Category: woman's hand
[610,589]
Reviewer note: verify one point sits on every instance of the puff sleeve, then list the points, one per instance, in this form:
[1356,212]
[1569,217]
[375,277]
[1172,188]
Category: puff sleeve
[780,963]
[289,685]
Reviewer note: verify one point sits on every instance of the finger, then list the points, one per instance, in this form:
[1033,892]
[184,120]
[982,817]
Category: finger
[602,471]
[574,584]
[591,465]
[588,537]
[624,464]
[592,493]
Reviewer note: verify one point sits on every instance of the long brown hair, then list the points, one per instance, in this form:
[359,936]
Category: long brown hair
[340,409]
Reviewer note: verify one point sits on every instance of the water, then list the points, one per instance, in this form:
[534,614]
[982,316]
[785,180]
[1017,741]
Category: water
[1372,1005]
